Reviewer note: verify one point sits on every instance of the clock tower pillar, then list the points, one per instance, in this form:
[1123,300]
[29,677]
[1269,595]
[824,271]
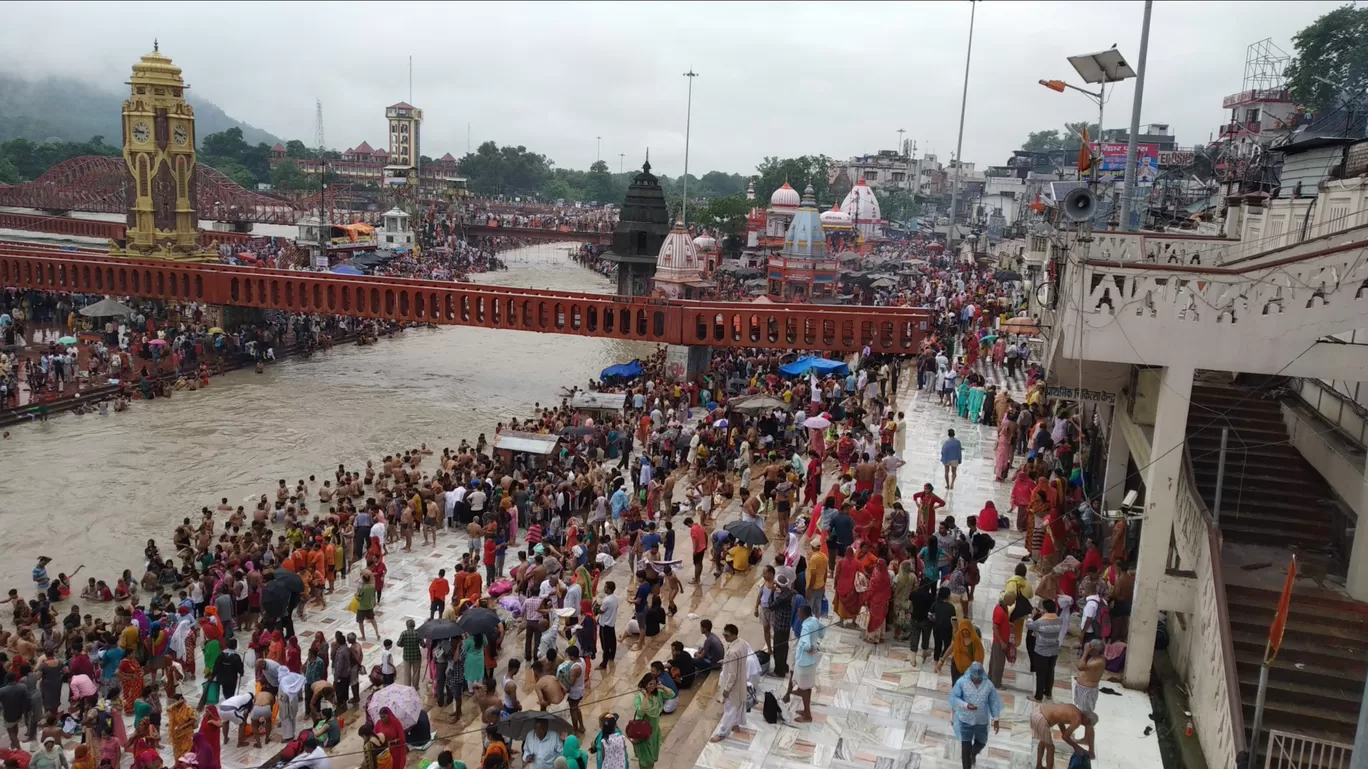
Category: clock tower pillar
[159,154]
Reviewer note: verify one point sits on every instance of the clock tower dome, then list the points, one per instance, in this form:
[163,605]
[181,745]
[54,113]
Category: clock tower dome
[159,154]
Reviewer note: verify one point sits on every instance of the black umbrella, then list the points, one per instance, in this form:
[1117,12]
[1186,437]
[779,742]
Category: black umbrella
[438,630]
[747,532]
[275,600]
[289,580]
[519,725]
[477,621]
[1006,276]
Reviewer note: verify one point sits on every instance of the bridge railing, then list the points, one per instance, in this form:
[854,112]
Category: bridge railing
[725,324]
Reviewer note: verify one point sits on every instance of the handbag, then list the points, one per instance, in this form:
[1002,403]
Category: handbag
[861,582]
[638,730]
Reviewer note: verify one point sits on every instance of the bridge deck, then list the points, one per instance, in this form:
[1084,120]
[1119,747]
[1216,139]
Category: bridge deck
[840,328]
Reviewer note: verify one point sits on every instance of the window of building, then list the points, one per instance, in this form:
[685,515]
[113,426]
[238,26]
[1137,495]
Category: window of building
[898,176]
[389,238]
[1252,115]
[871,176]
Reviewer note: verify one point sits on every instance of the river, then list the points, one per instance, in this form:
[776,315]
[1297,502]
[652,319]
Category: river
[92,490]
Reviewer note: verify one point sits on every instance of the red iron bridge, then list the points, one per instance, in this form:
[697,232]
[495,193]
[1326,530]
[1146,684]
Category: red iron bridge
[827,328]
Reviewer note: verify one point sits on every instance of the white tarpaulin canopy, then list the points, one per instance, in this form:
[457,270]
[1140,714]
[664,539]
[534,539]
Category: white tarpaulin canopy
[107,308]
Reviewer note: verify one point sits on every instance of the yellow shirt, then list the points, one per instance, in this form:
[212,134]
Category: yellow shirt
[740,557]
[817,571]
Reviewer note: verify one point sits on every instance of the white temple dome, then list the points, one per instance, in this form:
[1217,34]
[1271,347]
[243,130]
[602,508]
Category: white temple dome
[785,197]
[861,205]
[678,259]
[836,218]
[705,243]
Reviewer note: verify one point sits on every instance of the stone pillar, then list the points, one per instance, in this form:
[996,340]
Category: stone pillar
[1118,456]
[1161,490]
[1357,580]
[684,363]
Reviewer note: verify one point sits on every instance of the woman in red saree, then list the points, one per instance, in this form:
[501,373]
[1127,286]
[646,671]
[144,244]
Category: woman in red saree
[813,487]
[1021,497]
[275,649]
[210,749]
[131,683]
[392,730]
[873,518]
[845,451]
[847,597]
[293,655]
[987,519]
[879,597]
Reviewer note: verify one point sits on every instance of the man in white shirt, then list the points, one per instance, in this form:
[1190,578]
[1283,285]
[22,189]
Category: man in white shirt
[311,757]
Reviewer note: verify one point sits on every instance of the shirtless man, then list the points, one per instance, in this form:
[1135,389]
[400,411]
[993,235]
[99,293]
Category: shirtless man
[321,691]
[486,700]
[864,474]
[1044,718]
[773,471]
[1088,674]
[549,689]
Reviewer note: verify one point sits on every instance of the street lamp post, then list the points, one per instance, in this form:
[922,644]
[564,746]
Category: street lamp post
[1128,189]
[621,156]
[1099,68]
[959,143]
[598,153]
[688,122]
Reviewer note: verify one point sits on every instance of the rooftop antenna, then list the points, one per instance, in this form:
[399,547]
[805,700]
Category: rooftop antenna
[410,80]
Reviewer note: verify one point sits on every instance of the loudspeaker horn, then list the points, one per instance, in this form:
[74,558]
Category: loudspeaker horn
[1079,205]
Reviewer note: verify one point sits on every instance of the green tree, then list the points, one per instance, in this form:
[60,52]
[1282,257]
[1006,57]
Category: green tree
[798,172]
[287,176]
[727,214]
[895,205]
[494,170]
[8,173]
[297,150]
[1331,60]
[235,171]
[1043,141]
[225,144]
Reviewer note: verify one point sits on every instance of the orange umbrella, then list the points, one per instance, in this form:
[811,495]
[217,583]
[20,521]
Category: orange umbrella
[1021,326]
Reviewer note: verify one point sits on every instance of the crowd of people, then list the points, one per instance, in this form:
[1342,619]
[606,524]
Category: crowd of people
[547,216]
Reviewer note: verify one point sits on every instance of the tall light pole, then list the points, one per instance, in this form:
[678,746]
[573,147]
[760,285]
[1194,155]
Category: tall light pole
[1128,190]
[688,121]
[621,157]
[598,153]
[1097,69]
[959,143]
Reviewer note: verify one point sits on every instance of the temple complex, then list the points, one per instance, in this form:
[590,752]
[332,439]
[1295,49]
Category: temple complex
[679,267]
[804,268]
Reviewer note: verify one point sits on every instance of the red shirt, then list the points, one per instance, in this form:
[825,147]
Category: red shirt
[1002,626]
[489,548]
[699,537]
[439,589]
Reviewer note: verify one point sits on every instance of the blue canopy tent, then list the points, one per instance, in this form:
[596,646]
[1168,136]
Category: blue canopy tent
[346,269]
[821,366]
[624,370]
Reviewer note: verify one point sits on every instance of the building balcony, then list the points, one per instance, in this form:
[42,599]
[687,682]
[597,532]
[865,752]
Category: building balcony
[1263,313]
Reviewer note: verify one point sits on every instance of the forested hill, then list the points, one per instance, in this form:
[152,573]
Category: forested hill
[66,109]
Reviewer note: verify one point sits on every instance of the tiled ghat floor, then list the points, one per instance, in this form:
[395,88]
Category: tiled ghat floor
[873,708]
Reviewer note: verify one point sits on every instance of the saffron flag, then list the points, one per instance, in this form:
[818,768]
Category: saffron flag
[1275,631]
[1085,159]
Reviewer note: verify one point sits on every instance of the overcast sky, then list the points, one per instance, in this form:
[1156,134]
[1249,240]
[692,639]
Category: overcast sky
[780,79]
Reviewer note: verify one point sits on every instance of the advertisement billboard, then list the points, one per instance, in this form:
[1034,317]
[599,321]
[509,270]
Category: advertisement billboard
[1113,161]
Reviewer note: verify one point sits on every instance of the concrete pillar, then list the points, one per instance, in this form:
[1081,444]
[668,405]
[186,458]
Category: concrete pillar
[1161,494]
[1118,456]
[685,363]
[1357,580]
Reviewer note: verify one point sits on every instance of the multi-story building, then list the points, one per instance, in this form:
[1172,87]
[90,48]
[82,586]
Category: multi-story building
[889,169]
[367,166]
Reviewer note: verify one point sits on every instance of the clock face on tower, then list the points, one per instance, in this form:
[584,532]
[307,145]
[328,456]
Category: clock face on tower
[141,133]
[181,134]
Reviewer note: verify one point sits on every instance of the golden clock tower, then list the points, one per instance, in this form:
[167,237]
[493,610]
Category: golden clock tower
[159,152]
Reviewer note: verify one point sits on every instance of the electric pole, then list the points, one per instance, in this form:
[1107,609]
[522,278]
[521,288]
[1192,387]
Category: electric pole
[688,122]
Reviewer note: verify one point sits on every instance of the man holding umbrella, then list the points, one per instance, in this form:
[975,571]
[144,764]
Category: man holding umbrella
[542,746]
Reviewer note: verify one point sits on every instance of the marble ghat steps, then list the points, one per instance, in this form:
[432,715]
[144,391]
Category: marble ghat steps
[1272,495]
[1315,686]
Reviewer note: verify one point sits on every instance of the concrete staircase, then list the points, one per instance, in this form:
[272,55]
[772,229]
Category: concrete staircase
[1272,499]
[1272,494]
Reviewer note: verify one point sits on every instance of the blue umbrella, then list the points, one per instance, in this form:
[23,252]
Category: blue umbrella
[624,370]
[346,269]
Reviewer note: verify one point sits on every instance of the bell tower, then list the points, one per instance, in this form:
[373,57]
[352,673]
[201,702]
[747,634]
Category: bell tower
[159,153]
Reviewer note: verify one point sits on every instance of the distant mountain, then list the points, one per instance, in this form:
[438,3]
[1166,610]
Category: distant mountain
[66,109]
